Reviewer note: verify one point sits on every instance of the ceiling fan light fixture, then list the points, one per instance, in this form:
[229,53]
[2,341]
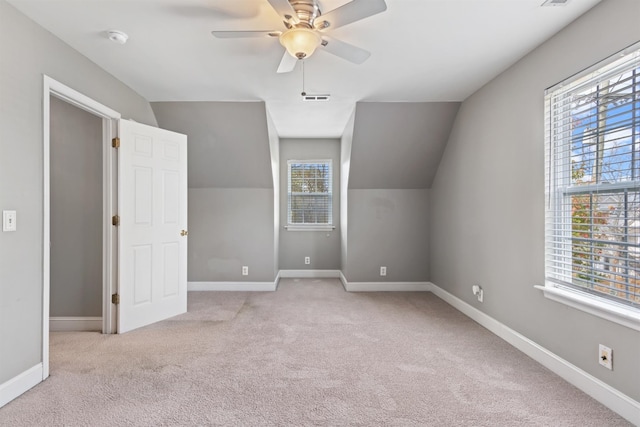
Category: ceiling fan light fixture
[300,42]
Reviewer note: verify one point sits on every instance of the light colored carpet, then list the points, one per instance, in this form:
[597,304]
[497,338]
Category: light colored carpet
[308,354]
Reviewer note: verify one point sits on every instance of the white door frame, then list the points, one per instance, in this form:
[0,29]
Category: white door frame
[109,262]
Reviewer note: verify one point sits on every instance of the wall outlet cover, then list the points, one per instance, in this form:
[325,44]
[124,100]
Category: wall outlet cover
[605,356]
[9,220]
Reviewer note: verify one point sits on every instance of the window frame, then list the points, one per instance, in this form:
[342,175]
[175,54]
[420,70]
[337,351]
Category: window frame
[558,218]
[294,226]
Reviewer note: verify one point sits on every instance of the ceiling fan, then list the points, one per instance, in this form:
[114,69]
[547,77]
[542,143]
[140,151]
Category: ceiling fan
[306,28]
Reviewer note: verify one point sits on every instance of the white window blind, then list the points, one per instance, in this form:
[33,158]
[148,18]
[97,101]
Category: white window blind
[310,196]
[592,181]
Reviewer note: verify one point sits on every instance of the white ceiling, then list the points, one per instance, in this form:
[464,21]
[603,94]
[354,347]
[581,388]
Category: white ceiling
[421,51]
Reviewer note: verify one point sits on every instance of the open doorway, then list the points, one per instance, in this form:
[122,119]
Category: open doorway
[147,252]
[76,218]
[103,126]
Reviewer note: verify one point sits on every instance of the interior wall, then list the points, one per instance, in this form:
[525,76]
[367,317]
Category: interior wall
[28,51]
[230,228]
[231,188]
[388,228]
[487,201]
[322,247]
[76,211]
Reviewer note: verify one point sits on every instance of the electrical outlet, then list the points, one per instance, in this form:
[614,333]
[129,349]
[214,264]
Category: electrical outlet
[383,271]
[307,260]
[478,292]
[605,356]
[245,270]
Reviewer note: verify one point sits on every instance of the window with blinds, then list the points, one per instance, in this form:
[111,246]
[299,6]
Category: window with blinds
[592,182]
[310,185]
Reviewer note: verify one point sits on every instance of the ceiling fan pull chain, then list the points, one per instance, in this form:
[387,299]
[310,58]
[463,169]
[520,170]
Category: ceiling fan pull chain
[303,91]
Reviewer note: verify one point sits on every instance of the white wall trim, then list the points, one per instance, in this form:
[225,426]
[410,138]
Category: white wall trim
[593,304]
[384,286]
[310,274]
[599,390]
[387,287]
[232,286]
[17,385]
[276,282]
[79,324]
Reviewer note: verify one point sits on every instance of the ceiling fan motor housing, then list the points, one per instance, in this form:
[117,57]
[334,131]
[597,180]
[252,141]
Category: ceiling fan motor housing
[307,11]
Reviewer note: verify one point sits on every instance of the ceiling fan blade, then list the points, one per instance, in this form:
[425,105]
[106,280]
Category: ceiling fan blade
[345,50]
[353,11]
[284,9]
[287,64]
[244,34]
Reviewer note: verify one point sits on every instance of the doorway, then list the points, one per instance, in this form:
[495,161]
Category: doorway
[109,119]
[76,218]
[144,258]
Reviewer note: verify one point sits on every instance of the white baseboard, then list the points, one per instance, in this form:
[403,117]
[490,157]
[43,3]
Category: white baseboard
[310,274]
[387,287]
[384,286]
[615,400]
[17,385]
[67,324]
[233,286]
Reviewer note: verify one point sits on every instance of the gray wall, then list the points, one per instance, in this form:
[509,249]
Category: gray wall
[487,200]
[388,228]
[76,211]
[322,247]
[394,150]
[28,51]
[229,228]
[231,188]
[228,142]
[399,144]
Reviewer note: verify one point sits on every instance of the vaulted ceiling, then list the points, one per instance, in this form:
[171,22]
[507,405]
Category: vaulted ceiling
[421,51]
[426,57]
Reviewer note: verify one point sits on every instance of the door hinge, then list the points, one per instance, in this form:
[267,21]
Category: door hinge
[115,299]
[115,142]
[115,220]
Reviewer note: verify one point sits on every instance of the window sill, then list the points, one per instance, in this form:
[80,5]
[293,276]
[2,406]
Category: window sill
[605,309]
[311,227]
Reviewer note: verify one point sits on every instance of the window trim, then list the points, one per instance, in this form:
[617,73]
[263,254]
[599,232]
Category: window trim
[620,313]
[309,226]
[592,304]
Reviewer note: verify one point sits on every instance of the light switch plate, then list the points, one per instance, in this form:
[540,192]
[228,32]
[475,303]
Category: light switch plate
[9,221]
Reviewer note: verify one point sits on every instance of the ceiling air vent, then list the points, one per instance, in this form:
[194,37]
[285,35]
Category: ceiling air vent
[314,98]
[555,3]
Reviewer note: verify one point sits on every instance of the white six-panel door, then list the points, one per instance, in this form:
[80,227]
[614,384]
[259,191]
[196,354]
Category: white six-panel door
[152,241]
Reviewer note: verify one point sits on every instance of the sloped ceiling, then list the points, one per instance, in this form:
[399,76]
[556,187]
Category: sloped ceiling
[421,51]
[399,144]
[228,142]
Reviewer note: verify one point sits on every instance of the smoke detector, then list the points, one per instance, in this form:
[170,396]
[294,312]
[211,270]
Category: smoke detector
[555,3]
[117,36]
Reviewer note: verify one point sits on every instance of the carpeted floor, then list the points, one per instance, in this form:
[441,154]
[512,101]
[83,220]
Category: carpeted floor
[308,354]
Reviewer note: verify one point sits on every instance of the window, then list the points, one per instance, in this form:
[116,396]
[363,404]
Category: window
[592,182]
[310,203]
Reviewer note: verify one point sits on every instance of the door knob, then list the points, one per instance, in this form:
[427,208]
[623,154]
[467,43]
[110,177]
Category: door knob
[184,233]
